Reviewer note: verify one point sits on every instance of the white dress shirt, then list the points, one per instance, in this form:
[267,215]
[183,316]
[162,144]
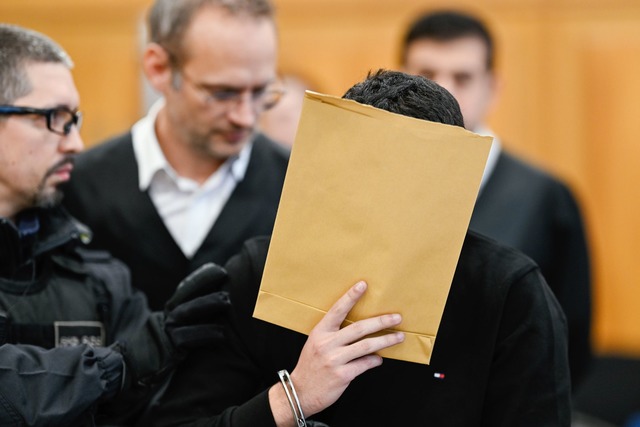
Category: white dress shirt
[187,208]
[494,153]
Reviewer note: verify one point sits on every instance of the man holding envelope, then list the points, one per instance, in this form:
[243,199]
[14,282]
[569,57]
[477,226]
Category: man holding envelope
[386,197]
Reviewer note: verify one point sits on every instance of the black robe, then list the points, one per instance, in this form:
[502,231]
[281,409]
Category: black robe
[526,208]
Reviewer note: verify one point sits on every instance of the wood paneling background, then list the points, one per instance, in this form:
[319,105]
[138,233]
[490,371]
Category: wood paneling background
[569,99]
[103,39]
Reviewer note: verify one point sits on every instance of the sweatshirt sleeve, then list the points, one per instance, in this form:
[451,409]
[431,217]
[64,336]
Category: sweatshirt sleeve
[530,369]
[253,413]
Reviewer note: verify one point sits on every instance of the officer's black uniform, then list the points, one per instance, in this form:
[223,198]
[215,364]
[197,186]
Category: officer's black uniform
[69,320]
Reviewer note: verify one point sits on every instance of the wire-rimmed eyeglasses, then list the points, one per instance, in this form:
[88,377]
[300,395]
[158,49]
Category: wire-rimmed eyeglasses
[59,119]
[262,98]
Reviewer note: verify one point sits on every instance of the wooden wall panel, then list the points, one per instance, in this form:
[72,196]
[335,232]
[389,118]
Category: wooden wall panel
[612,91]
[103,40]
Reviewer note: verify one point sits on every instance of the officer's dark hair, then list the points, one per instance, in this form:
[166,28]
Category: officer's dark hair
[18,48]
[446,25]
[413,96]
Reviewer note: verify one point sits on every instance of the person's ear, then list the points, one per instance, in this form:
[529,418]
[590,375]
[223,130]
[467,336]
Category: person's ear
[156,66]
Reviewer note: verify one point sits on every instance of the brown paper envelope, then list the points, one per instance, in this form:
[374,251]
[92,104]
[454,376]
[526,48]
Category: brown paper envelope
[375,196]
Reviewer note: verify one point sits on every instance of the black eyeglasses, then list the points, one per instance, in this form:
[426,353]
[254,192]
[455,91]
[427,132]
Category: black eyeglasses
[59,119]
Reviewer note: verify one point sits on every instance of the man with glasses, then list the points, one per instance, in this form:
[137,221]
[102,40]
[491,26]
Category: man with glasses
[193,179]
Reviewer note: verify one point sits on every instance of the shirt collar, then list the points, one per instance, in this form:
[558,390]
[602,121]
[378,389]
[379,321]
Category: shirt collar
[151,159]
[494,153]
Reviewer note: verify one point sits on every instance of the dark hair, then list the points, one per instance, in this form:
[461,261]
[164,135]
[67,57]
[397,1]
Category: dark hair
[169,20]
[18,48]
[409,95]
[446,26]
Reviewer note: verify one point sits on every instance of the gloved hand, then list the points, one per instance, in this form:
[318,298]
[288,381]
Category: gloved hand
[193,317]
[196,313]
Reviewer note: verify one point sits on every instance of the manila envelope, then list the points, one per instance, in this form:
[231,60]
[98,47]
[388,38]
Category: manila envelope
[375,196]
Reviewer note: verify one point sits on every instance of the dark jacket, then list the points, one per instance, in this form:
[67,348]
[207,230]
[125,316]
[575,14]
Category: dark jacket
[70,316]
[500,357]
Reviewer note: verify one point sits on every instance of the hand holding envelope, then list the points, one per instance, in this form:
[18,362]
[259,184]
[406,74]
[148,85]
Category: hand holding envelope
[333,355]
[374,196]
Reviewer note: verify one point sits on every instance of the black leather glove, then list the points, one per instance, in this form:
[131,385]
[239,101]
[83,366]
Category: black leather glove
[196,313]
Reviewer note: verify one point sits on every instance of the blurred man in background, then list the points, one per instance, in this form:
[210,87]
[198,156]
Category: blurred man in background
[518,204]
